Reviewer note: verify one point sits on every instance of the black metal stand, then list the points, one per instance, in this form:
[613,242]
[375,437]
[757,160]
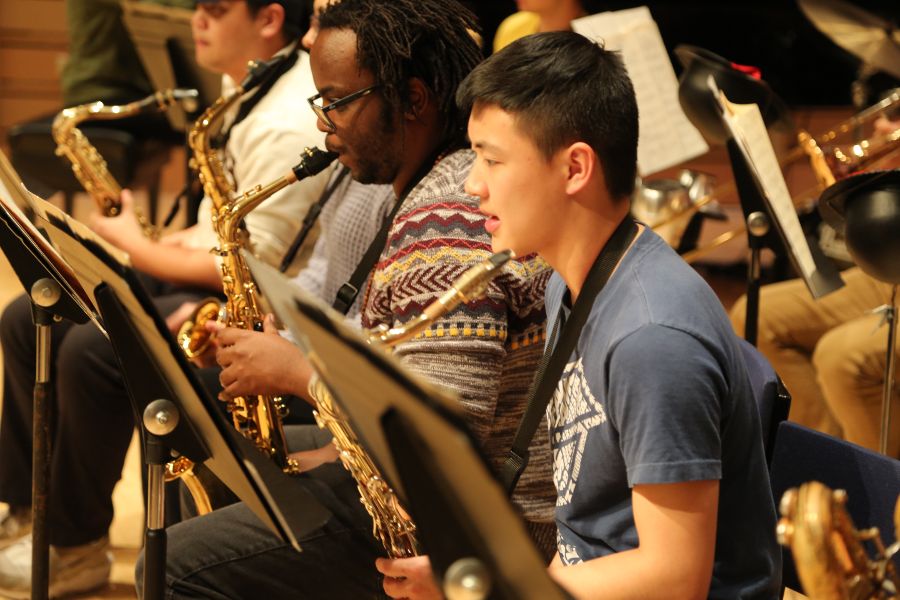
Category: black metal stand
[891,318]
[38,277]
[466,578]
[763,231]
[163,429]
[160,419]
[757,227]
[45,293]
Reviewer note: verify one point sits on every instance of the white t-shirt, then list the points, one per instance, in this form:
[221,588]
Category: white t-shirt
[263,147]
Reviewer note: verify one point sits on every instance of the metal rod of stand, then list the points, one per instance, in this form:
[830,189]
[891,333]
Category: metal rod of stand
[891,316]
[757,228]
[44,294]
[160,418]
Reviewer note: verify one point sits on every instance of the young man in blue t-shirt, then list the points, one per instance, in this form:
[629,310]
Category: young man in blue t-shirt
[663,490]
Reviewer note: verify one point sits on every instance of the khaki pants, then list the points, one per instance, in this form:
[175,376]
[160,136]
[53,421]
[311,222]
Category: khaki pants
[831,355]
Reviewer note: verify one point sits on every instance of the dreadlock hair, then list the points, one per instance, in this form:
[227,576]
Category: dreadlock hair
[431,40]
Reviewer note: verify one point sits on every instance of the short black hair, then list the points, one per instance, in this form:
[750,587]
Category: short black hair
[297,14]
[398,40]
[562,88]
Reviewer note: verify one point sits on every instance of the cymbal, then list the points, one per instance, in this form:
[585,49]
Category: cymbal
[872,39]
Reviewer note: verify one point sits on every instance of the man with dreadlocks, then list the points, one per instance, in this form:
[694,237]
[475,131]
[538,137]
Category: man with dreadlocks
[387,74]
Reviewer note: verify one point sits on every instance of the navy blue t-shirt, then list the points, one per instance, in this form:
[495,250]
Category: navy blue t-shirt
[657,392]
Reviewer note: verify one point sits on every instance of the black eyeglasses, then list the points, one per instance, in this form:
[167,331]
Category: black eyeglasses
[321,110]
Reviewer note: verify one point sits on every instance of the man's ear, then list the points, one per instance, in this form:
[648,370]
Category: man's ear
[581,165]
[271,20]
[418,99]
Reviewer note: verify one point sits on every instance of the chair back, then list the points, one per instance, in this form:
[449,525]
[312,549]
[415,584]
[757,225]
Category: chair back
[772,398]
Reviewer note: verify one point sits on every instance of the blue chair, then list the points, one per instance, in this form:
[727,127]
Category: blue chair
[871,480]
[773,399]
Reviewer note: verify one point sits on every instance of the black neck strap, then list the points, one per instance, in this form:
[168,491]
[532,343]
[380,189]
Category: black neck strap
[284,65]
[348,292]
[312,215]
[559,350]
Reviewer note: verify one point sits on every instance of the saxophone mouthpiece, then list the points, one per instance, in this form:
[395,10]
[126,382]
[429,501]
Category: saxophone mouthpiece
[188,98]
[313,162]
[473,283]
[258,71]
[501,258]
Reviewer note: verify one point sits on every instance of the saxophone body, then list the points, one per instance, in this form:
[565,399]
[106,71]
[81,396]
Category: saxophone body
[88,166]
[257,417]
[391,525]
[829,553]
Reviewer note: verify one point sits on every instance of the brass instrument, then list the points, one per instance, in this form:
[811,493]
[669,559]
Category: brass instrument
[242,312]
[390,523]
[828,159]
[664,204]
[829,555]
[257,418]
[88,165]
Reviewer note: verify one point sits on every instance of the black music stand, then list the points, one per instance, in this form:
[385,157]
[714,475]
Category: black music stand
[54,295]
[762,234]
[173,409]
[769,223]
[417,436]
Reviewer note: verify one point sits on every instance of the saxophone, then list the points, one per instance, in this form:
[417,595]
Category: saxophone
[391,525]
[258,418]
[88,165]
[831,560]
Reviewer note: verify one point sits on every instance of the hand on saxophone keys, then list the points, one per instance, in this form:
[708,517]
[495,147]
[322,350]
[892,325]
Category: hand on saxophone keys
[410,578]
[259,363]
[122,230]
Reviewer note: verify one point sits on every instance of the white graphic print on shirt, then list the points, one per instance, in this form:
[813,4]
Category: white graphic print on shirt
[571,415]
[568,554]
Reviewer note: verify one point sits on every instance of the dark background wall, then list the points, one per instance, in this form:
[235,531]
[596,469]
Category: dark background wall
[803,65]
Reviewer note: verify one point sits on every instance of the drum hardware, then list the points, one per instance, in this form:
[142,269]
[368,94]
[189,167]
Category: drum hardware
[873,40]
[865,208]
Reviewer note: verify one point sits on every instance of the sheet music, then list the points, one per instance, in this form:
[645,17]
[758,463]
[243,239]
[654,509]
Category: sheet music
[666,138]
[746,125]
[46,211]
[13,196]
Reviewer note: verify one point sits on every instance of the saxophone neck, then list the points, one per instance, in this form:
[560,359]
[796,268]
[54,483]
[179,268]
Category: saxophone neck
[313,161]
[234,213]
[469,286]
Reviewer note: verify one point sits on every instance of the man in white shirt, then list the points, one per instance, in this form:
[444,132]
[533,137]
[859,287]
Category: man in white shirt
[93,422]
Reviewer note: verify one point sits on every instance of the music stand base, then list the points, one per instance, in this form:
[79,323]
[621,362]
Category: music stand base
[160,419]
[45,293]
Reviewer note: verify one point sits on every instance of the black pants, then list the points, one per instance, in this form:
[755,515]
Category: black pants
[92,421]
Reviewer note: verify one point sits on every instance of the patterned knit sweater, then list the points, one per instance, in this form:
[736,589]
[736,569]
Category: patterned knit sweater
[485,351]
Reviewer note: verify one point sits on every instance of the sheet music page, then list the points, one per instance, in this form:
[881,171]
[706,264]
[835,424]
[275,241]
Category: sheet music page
[46,210]
[13,197]
[746,125]
[666,138]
